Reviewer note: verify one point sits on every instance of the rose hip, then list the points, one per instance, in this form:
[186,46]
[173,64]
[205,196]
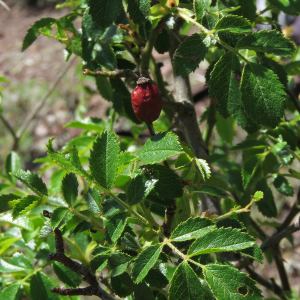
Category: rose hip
[146,101]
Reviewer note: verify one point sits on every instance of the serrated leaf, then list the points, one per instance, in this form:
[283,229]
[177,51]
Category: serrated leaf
[12,164]
[33,32]
[104,159]
[40,286]
[203,168]
[138,10]
[227,282]
[232,23]
[249,168]
[58,215]
[122,285]
[12,292]
[262,95]
[99,262]
[224,85]
[69,188]
[143,292]
[225,128]
[6,242]
[66,275]
[267,204]
[247,9]
[283,186]
[212,190]
[129,242]
[104,12]
[111,206]
[115,226]
[118,263]
[162,43]
[250,144]
[24,205]
[18,262]
[33,181]
[139,188]
[185,284]
[292,68]
[258,195]
[126,158]
[168,185]
[105,56]
[93,200]
[289,7]
[283,151]
[221,240]
[156,279]
[46,230]
[8,201]
[192,228]
[160,147]
[245,121]
[22,222]
[69,160]
[267,41]
[189,54]
[88,123]
[90,29]
[200,7]
[253,252]
[144,262]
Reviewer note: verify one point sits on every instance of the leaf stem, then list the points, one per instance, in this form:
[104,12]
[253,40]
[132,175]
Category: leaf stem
[78,249]
[148,215]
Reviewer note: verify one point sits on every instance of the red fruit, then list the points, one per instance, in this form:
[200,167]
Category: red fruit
[146,101]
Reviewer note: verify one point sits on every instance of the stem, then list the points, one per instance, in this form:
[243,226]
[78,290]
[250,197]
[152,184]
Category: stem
[211,121]
[148,215]
[294,99]
[112,74]
[183,256]
[151,129]
[10,129]
[264,10]
[78,249]
[33,273]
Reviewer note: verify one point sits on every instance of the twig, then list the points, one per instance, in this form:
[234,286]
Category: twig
[10,129]
[277,237]
[40,104]
[269,285]
[112,74]
[59,256]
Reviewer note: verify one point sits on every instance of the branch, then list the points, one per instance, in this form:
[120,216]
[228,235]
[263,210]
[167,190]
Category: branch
[112,74]
[10,129]
[93,289]
[40,104]
[277,237]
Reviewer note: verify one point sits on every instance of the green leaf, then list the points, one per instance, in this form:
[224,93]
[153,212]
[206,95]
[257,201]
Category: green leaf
[8,201]
[267,204]
[139,187]
[104,12]
[292,67]
[104,89]
[245,121]
[90,29]
[12,292]
[6,242]
[111,206]
[211,190]
[46,230]
[93,200]
[189,54]
[168,185]
[291,7]
[138,10]
[185,284]
[224,85]
[88,123]
[126,158]
[253,252]
[18,262]
[258,195]
[160,147]
[33,181]
[33,32]
[227,282]
[283,186]
[99,262]
[162,43]
[144,262]
[192,228]
[12,164]
[267,41]
[156,279]
[40,286]
[249,168]
[143,292]
[233,24]
[204,168]
[58,215]
[118,263]
[262,95]
[225,128]
[66,275]
[250,144]
[22,222]
[105,56]
[104,159]
[129,242]
[69,188]
[69,160]
[122,285]
[115,226]
[221,240]
[25,204]
[248,9]
[200,7]
[283,151]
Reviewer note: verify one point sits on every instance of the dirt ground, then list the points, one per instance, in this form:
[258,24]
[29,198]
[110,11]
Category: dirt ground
[29,75]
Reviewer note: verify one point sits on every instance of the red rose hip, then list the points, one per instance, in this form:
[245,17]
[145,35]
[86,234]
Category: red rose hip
[146,101]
